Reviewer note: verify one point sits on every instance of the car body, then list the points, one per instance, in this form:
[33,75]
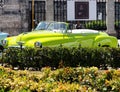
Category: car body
[61,33]
[3,35]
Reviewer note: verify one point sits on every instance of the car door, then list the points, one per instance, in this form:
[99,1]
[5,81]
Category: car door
[79,39]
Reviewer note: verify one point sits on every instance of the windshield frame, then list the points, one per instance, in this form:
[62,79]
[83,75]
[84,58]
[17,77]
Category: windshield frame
[58,27]
[42,25]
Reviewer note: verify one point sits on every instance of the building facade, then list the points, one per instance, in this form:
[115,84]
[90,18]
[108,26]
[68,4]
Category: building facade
[16,15]
[13,16]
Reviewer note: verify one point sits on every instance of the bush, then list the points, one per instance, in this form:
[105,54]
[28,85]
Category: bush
[58,57]
[117,25]
[100,25]
[96,25]
[61,80]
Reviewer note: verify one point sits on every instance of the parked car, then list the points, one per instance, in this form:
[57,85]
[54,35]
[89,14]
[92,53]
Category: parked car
[2,37]
[60,33]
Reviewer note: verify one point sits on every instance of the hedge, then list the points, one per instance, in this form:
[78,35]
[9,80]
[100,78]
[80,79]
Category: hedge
[57,57]
[66,79]
[100,25]
[97,25]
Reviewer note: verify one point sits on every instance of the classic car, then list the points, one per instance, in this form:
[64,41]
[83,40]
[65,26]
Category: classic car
[3,35]
[60,33]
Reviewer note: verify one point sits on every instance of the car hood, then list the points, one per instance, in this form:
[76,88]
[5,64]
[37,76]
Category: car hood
[36,34]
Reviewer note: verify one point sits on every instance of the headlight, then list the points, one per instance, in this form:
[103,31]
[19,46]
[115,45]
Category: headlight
[4,42]
[38,45]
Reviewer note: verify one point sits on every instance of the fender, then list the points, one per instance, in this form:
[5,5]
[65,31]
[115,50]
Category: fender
[105,41]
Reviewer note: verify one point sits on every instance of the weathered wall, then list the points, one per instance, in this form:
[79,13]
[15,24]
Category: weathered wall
[13,18]
[49,10]
[110,18]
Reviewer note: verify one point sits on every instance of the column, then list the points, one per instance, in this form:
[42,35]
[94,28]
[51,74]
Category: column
[49,10]
[110,17]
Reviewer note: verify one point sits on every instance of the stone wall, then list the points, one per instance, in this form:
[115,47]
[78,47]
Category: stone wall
[49,10]
[110,18]
[13,18]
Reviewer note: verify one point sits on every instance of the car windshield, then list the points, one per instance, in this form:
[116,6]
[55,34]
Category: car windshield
[57,26]
[52,26]
[42,26]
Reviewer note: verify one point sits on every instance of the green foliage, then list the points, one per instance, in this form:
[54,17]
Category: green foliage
[97,25]
[59,57]
[100,25]
[66,79]
[117,25]
[115,56]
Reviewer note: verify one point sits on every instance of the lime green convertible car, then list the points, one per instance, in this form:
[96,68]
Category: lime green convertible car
[60,33]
